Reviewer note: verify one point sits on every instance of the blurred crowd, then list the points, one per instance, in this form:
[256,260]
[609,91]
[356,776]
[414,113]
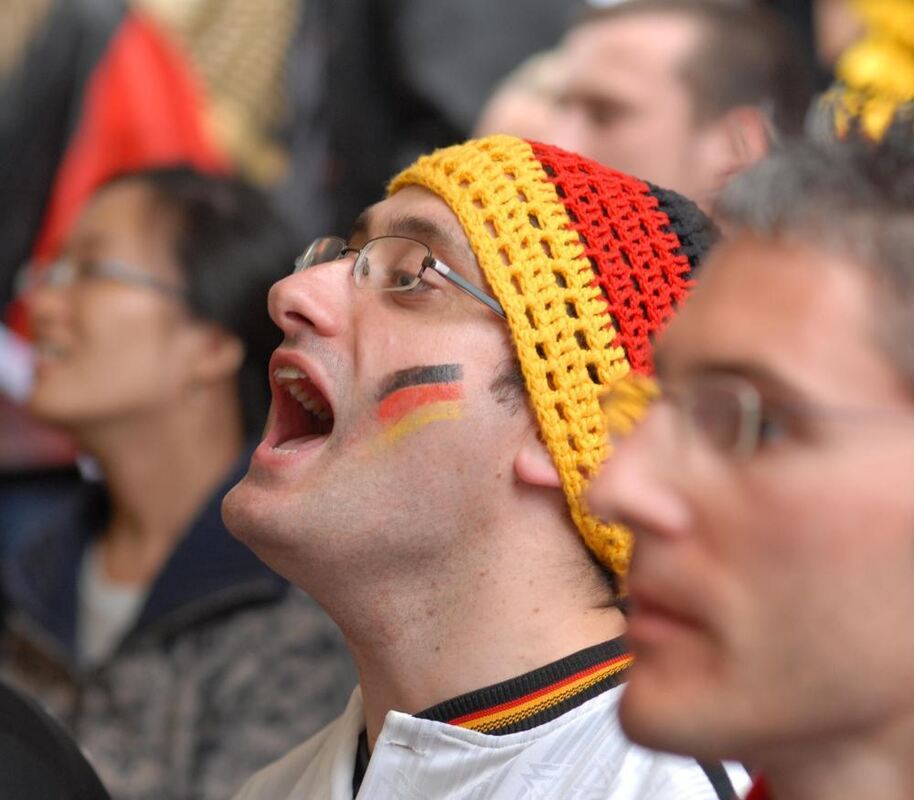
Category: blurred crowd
[166,164]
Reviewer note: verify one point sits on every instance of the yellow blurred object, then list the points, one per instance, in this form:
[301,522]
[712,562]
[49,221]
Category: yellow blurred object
[893,17]
[876,74]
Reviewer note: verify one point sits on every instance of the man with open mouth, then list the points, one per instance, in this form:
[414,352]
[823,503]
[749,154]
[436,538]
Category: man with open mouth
[436,416]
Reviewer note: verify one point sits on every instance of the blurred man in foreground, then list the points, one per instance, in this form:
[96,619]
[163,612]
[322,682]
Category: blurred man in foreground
[769,487]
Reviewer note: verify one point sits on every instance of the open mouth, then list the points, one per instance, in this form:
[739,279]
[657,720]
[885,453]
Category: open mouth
[302,412]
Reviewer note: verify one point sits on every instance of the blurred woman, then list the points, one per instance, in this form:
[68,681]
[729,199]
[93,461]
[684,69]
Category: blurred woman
[136,618]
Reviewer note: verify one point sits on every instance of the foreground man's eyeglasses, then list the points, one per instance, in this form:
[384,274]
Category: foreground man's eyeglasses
[723,411]
[390,264]
[727,412]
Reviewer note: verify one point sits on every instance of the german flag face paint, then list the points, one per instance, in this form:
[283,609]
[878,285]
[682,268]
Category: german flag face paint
[412,398]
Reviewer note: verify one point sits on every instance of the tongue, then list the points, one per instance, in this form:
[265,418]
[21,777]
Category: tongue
[299,441]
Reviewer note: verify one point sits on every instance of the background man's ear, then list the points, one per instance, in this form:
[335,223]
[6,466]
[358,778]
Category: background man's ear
[219,354]
[533,464]
[753,132]
[744,137]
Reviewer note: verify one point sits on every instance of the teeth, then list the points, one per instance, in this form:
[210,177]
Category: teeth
[292,378]
[309,402]
[289,374]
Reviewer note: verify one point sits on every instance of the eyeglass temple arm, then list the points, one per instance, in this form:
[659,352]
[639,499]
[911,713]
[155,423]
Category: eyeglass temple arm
[466,286]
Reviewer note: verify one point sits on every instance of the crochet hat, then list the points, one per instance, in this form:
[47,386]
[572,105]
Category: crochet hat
[588,264]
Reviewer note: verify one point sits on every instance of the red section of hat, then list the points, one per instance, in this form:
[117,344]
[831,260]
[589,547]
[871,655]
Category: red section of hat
[628,241]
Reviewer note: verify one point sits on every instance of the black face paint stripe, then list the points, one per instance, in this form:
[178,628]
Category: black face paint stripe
[415,376]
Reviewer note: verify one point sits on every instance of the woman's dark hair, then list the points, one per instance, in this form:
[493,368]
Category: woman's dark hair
[232,246]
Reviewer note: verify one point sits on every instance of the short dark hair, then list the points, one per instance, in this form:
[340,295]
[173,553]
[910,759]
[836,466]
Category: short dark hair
[852,196]
[746,56]
[232,245]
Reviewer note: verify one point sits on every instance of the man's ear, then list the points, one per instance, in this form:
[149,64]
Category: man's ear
[731,144]
[743,136]
[752,133]
[533,464]
[219,354]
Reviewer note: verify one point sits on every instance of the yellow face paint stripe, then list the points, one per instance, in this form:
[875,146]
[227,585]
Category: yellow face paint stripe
[422,417]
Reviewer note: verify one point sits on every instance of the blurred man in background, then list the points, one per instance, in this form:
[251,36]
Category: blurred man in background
[175,657]
[684,93]
[769,488]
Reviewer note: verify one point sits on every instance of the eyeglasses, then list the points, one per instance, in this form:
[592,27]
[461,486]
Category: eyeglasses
[390,264]
[727,412]
[68,272]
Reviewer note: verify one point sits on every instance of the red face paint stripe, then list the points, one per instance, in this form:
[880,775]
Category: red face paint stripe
[635,258]
[403,401]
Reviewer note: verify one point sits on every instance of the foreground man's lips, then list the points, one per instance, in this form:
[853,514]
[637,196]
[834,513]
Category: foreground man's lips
[654,618]
[301,412]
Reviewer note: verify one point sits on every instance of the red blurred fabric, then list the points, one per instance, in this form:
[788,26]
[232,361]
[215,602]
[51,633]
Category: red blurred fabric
[142,106]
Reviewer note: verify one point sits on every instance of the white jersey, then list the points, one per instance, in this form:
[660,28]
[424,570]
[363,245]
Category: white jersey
[581,755]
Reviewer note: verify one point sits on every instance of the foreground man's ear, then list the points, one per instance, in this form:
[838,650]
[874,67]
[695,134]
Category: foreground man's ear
[533,464]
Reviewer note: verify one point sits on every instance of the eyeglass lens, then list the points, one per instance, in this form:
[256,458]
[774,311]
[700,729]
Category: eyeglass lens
[726,412]
[390,264]
[320,251]
[721,412]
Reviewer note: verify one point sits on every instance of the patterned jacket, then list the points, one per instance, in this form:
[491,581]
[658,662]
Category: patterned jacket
[226,668]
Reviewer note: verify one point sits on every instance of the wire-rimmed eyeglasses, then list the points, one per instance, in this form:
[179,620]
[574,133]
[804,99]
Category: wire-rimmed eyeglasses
[728,412]
[390,264]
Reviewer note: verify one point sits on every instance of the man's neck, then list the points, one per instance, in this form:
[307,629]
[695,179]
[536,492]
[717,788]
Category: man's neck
[873,764]
[423,645]
[158,475]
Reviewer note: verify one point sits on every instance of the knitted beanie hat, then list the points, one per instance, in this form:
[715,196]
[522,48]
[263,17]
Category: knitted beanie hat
[587,264]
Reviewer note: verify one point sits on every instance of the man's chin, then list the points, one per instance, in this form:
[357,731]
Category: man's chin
[659,719]
[239,510]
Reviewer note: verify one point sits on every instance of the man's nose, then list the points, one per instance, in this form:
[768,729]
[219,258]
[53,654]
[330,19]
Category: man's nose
[44,303]
[319,298]
[568,127]
[637,485]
